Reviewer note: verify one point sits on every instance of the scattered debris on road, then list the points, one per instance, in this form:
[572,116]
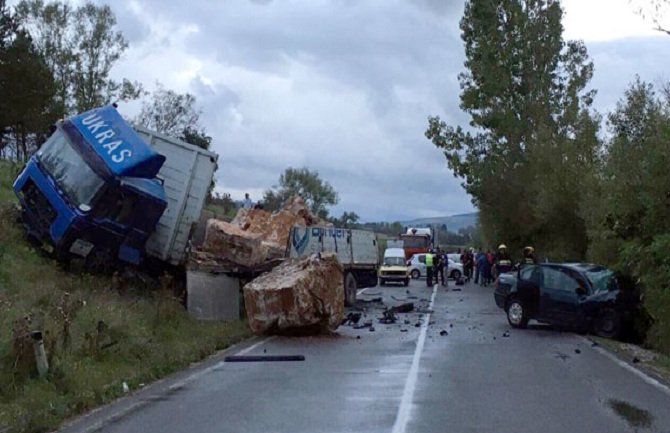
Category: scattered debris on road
[506,334]
[444,333]
[562,356]
[577,351]
[352,318]
[299,297]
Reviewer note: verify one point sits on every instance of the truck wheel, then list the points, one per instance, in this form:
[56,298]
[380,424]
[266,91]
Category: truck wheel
[99,261]
[416,274]
[349,290]
[382,282]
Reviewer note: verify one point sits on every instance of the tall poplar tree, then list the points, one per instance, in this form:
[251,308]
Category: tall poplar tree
[531,135]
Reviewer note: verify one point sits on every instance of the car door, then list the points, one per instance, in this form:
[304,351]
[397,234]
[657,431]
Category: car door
[559,300]
[528,288]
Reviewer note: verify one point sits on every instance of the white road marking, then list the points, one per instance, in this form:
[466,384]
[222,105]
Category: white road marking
[639,373]
[403,416]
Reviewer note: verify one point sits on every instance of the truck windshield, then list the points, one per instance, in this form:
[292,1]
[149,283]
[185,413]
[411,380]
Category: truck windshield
[77,180]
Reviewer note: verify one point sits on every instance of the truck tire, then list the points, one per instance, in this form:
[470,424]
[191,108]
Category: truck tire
[416,274]
[382,282]
[349,289]
[100,261]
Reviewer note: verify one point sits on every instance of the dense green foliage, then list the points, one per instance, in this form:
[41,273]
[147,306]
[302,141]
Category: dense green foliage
[628,206]
[531,135]
[535,165]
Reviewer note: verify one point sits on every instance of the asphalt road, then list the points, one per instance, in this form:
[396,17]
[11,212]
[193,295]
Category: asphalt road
[405,377]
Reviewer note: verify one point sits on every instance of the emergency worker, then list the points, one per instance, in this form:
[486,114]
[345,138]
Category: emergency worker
[429,268]
[503,262]
[528,256]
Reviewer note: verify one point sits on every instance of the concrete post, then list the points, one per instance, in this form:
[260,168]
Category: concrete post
[40,354]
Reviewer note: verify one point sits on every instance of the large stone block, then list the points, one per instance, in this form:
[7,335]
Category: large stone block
[298,297]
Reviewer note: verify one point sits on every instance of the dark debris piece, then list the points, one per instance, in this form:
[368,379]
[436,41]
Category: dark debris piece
[636,360]
[506,334]
[577,351]
[403,330]
[444,333]
[372,329]
[351,319]
[364,325]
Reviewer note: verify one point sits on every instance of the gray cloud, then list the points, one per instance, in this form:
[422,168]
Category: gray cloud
[343,87]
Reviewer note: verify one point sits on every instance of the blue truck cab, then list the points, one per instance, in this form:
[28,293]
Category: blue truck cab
[92,190]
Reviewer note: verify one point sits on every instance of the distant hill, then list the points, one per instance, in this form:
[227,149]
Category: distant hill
[454,222]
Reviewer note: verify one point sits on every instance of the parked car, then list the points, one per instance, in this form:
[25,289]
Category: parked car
[579,296]
[417,267]
[394,267]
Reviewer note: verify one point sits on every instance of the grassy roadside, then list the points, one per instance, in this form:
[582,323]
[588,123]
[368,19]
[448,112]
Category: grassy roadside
[98,333]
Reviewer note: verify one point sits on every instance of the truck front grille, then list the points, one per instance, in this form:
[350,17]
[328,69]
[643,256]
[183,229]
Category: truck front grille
[38,206]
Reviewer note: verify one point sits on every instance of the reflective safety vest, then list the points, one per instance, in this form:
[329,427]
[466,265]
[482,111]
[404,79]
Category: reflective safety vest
[505,262]
[528,261]
[429,259]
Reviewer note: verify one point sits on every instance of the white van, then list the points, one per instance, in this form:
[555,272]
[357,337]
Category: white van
[394,267]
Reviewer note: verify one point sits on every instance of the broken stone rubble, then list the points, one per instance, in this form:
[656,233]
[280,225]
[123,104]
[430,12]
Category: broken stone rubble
[254,237]
[303,296]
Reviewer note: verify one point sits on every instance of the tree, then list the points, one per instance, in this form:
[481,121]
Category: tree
[629,202]
[80,46]
[318,194]
[174,114]
[531,135]
[26,89]
[347,220]
[657,11]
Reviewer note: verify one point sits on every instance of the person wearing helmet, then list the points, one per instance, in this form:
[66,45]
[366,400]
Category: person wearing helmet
[503,262]
[528,256]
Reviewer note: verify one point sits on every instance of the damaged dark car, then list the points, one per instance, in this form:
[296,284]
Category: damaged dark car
[577,296]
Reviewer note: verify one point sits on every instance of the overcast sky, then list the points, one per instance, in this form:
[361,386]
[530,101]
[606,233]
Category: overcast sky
[345,87]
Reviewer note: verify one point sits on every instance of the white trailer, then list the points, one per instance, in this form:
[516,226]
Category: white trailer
[186,174]
[355,249]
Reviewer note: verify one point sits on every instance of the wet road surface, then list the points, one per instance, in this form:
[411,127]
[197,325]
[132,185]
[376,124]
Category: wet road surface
[407,377]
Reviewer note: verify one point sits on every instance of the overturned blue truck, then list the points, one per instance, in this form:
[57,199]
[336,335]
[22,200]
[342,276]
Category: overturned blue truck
[105,192]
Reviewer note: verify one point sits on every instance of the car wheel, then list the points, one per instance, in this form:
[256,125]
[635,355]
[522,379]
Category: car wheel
[406,282]
[608,323]
[455,274]
[415,274]
[516,314]
[382,282]
[349,290]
